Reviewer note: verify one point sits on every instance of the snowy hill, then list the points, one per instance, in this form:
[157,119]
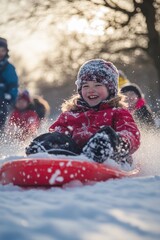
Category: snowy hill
[115,210]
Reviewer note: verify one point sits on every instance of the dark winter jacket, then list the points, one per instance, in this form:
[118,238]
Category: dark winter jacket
[84,122]
[8,82]
[143,114]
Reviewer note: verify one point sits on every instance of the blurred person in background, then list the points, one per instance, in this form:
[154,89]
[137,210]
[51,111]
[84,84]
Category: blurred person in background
[23,121]
[27,116]
[8,83]
[137,105]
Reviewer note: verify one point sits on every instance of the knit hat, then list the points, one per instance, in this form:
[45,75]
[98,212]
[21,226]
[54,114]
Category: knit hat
[122,79]
[25,96]
[101,71]
[3,43]
[132,88]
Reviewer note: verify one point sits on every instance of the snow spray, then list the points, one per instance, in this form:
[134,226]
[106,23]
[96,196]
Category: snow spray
[148,155]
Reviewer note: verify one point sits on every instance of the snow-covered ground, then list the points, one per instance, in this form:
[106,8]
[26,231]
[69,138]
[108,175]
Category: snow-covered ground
[128,208]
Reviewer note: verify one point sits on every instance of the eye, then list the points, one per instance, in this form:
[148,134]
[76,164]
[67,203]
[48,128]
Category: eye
[84,85]
[98,84]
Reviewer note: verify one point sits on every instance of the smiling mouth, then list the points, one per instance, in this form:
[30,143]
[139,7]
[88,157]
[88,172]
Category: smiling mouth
[92,97]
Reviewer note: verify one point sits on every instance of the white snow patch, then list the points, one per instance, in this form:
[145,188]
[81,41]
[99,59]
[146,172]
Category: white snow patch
[55,177]
[49,170]
[61,164]
[116,209]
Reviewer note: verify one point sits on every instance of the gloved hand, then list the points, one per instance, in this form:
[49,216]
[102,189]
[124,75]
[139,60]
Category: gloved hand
[106,144]
[53,143]
[113,136]
[101,146]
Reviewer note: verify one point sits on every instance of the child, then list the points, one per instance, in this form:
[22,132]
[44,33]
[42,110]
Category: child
[23,121]
[94,121]
[138,106]
[8,83]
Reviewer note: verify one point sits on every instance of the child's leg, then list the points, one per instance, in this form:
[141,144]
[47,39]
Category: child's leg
[53,143]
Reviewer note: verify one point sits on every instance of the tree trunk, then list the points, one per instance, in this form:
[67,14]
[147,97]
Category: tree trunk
[149,13]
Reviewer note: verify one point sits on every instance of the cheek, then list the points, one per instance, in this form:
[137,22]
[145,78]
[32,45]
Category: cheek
[3,53]
[83,92]
[104,93]
[134,99]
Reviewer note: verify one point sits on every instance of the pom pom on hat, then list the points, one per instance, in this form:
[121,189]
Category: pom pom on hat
[101,71]
[122,79]
[25,96]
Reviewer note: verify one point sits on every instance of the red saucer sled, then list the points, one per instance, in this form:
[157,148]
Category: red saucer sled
[57,172]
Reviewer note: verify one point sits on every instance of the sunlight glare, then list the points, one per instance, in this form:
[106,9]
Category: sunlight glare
[95,27]
[35,45]
[82,26]
[110,31]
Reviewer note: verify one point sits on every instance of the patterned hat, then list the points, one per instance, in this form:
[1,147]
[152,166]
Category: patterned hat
[3,43]
[25,96]
[101,71]
[132,88]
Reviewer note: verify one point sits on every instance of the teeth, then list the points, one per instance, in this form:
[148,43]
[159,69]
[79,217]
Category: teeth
[92,97]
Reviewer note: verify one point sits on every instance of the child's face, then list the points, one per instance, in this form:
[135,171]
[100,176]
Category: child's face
[94,92]
[3,52]
[21,104]
[131,99]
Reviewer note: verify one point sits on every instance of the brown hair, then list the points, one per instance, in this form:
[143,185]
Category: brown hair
[71,104]
[41,106]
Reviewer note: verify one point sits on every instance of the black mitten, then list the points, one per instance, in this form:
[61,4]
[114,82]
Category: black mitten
[102,145]
[53,143]
[121,147]
[106,144]
[113,136]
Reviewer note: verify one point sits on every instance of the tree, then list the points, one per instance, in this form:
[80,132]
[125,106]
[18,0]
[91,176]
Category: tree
[137,21]
[150,10]
[127,28]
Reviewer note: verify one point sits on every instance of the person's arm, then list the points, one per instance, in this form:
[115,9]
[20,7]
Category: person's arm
[127,129]
[11,80]
[144,116]
[61,125]
[117,142]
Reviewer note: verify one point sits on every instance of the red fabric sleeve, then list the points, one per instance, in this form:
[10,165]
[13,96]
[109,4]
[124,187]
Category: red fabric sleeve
[126,127]
[60,125]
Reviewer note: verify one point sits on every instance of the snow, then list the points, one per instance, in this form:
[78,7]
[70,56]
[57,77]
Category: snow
[127,208]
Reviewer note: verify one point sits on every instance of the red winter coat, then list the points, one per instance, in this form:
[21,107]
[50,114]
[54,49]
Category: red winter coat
[82,124]
[27,121]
